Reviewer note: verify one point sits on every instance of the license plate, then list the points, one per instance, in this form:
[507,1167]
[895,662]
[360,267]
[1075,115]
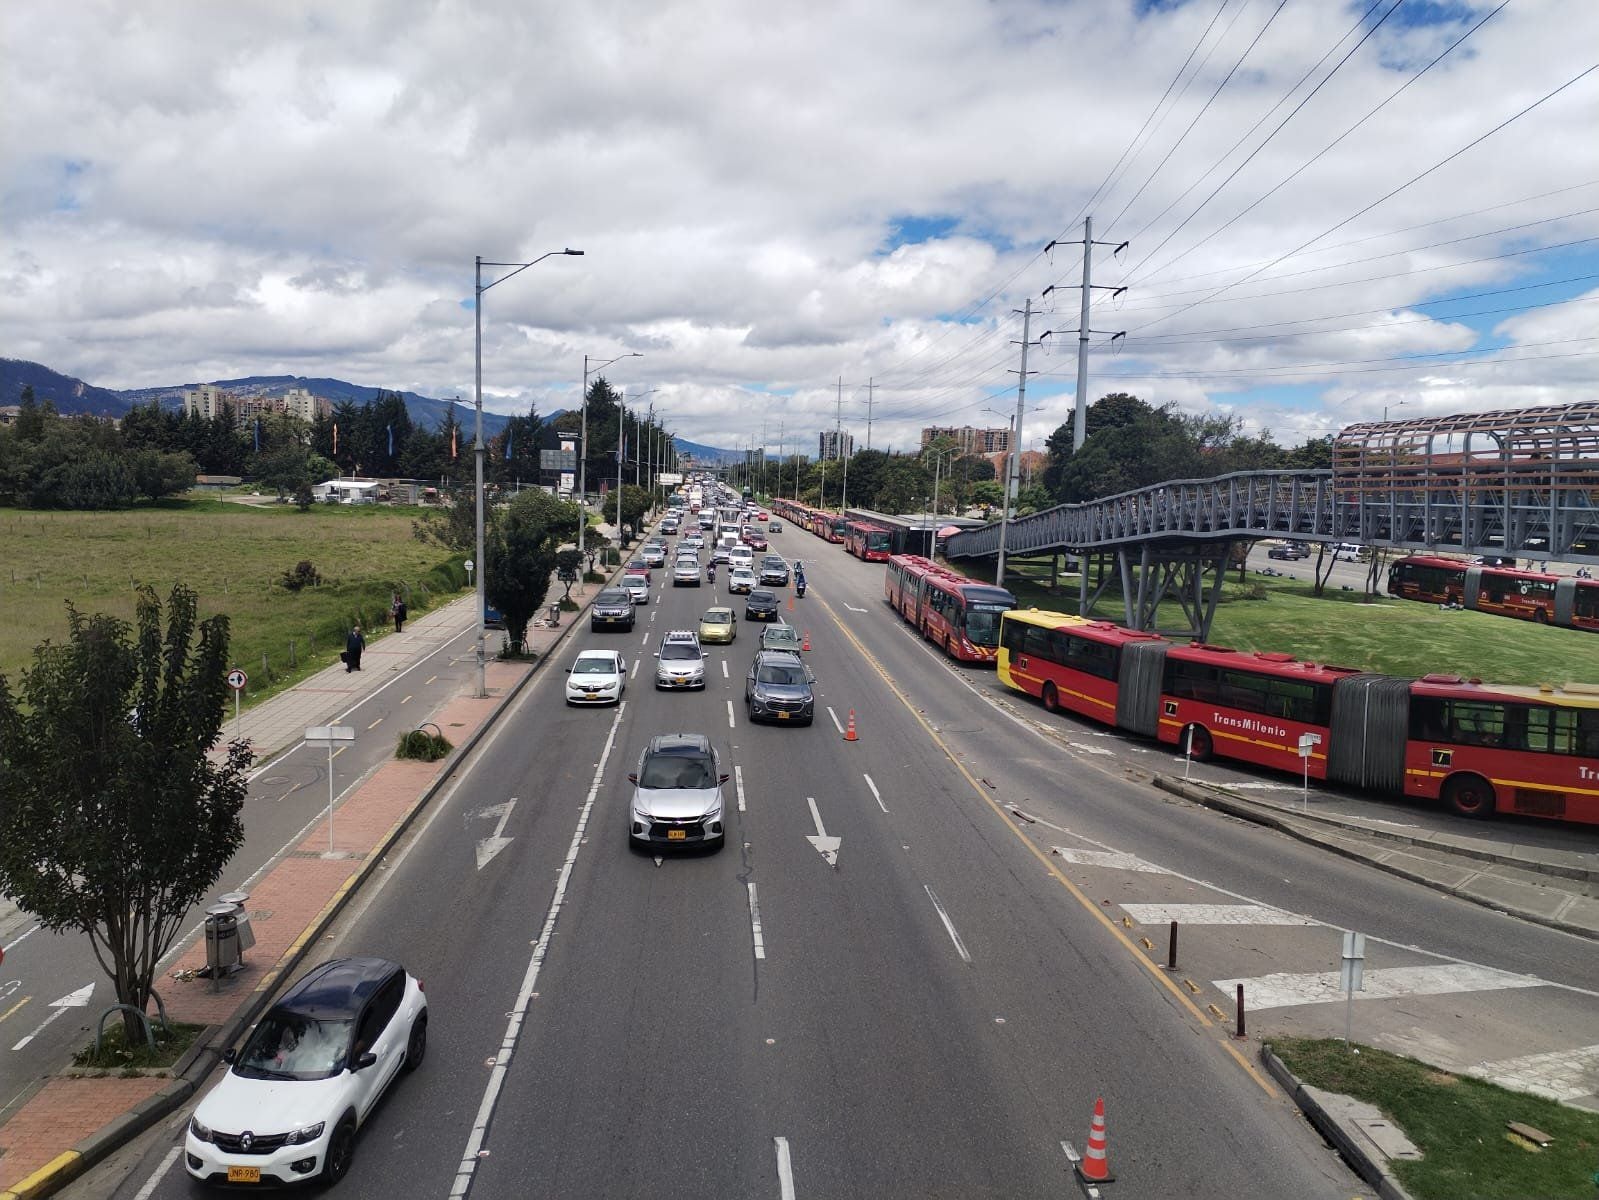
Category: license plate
[244,1174]
[676,835]
[782,716]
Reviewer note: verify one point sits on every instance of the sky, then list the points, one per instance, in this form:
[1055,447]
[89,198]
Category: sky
[1307,214]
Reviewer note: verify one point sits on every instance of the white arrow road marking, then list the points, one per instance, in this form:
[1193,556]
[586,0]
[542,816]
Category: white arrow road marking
[738,782]
[488,847]
[77,999]
[852,608]
[755,923]
[785,1170]
[948,925]
[828,846]
[875,793]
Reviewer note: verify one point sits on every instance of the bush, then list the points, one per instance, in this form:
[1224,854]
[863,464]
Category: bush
[423,746]
[303,575]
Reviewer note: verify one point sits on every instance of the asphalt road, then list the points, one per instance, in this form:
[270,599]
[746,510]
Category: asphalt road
[935,1015]
[286,796]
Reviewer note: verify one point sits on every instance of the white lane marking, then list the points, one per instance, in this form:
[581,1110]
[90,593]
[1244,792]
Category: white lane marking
[1032,819]
[834,716]
[1113,859]
[730,714]
[1213,914]
[785,1170]
[826,846]
[1284,988]
[1562,1075]
[405,700]
[645,640]
[852,608]
[376,723]
[77,999]
[6,948]
[633,671]
[488,847]
[738,783]
[513,1028]
[724,668]
[160,1173]
[949,926]
[755,923]
[875,793]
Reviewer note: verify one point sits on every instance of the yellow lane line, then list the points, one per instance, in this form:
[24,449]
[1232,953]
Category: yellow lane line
[14,1007]
[376,723]
[1088,905]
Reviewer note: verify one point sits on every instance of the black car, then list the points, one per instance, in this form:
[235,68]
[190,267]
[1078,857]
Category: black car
[761,606]
[778,688]
[613,609]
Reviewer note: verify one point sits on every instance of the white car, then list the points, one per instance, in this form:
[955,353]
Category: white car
[310,1074]
[638,587]
[741,581]
[692,540]
[677,795]
[596,677]
[682,662]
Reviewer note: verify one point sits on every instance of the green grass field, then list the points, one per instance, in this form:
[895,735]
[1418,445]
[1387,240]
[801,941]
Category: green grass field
[1398,637]
[233,556]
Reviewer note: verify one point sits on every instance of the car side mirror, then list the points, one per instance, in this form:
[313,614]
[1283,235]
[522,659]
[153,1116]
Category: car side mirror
[632,779]
[723,778]
[367,1059]
[569,670]
[230,1055]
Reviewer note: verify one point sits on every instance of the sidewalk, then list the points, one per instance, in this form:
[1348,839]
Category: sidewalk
[73,1119]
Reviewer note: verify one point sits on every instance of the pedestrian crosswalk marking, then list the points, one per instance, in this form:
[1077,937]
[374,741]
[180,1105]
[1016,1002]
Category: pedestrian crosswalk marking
[1385,983]
[1563,1075]
[1213,914]
[1113,859]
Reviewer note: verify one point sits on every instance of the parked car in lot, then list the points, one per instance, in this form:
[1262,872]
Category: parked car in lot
[741,581]
[778,688]
[686,573]
[312,1071]
[677,794]
[637,586]
[1289,550]
[779,636]
[682,662]
[596,677]
[719,625]
[613,609]
[761,605]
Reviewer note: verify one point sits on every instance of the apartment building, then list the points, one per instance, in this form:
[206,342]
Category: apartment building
[969,439]
[836,443]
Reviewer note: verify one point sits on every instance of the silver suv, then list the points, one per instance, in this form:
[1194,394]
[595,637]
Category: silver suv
[677,794]
[682,662]
[778,688]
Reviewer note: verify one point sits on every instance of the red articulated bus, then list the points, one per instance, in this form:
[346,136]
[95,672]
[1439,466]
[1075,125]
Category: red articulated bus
[1528,595]
[1481,748]
[833,526]
[957,613]
[867,540]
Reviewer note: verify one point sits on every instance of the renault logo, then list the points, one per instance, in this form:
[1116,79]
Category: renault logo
[246,1139]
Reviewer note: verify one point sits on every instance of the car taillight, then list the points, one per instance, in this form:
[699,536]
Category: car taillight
[419,986]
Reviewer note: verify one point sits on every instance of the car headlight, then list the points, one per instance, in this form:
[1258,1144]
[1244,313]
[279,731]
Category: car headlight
[200,1132]
[309,1133]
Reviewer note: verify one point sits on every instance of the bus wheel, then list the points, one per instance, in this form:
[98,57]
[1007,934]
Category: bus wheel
[1197,739]
[1540,617]
[1051,698]
[1470,796]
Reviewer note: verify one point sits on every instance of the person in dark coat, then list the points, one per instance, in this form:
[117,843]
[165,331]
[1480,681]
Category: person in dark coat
[397,611]
[353,645]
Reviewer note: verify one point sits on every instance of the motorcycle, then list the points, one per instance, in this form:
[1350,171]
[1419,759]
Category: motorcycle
[710,572]
[799,586]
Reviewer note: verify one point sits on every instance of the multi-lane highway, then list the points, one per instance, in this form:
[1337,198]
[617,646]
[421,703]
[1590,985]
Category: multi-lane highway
[935,1013]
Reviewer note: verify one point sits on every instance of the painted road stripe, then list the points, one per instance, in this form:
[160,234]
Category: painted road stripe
[1386,983]
[14,1007]
[875,793]
[1113,859]
[1563,1075]
[376,723]
[738,782]
[949,926]
[633,674]
[785,1170]
[154,1181]
[755,923]
[407,700]
[724,668]
[730,714]
[834,715]
[1213,914]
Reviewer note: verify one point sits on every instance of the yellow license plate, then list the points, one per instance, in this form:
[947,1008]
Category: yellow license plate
[782,716]
[673,835]
[244,1174]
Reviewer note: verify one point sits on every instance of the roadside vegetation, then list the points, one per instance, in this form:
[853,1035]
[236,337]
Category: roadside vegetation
[1459,1124]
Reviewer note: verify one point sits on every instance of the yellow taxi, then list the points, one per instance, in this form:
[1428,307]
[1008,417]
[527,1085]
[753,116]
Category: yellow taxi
[718,625]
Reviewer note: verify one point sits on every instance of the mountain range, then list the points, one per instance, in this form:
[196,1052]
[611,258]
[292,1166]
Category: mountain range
[71,396]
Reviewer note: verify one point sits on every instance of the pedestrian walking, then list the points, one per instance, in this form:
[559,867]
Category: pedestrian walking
[353,645]
[397,611]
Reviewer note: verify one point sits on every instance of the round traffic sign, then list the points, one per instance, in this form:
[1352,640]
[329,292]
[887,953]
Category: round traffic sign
[237,679]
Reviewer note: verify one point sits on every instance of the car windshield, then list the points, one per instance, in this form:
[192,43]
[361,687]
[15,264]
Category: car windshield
[762,598]
[287,1045]
[680,650]
[635,581]
[595,665]
[781,633]
[613,598]
[678,771]
[718,616]
[782,673]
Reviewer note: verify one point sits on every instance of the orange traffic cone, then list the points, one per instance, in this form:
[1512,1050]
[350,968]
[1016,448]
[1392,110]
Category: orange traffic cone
[1094,1167]
[849,733]
[806,644]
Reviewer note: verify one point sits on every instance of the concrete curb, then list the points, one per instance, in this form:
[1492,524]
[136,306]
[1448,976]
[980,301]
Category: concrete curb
[1372,1170]
[1286,823]
[207,1051]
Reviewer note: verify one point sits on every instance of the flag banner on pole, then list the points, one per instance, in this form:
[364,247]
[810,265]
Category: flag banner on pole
[335,437]
[391,441]
[452,440]
[258,435]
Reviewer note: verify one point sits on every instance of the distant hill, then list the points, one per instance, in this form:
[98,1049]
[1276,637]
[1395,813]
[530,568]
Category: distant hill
[69,395]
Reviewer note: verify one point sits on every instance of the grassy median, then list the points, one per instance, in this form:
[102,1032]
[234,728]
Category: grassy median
[1459,1124]
[234,556]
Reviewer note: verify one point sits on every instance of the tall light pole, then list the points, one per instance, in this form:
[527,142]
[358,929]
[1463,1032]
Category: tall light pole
[583,442]
[479,287]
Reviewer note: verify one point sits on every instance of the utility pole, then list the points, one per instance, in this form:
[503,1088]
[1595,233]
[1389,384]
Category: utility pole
[870,384]
[1080,407]
[1013,475]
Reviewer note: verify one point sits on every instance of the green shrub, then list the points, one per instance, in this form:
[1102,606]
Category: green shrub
[423,746]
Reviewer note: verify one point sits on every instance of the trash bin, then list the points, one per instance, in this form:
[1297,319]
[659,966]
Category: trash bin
[221,940]
[242,917]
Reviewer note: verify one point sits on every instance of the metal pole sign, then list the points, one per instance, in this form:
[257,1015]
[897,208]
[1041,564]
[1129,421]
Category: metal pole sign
[1354,962]
[1306,742]
[327,735]
[236,680]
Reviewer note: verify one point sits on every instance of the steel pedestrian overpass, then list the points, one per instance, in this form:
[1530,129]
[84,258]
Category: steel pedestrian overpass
[1521,482]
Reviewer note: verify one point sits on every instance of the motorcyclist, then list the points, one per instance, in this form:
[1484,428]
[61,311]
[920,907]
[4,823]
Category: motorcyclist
[799,581]
[710,571]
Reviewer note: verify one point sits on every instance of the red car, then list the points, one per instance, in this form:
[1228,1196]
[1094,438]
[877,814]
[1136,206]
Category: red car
[755,541]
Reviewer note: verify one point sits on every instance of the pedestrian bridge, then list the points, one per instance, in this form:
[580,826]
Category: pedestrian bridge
[1523,482]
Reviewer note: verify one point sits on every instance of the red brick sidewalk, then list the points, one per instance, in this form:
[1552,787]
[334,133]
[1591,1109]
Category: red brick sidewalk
[289,907]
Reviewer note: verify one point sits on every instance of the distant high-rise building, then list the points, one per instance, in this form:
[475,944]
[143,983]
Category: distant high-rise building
[970,440]
[206,401]
[297,402]
[836,443]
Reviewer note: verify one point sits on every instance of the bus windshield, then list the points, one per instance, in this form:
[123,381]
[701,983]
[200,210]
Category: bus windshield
[982,625]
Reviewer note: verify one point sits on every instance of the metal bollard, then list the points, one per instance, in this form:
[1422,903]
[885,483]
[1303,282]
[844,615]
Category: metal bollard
[1171,949]
[1240,1032]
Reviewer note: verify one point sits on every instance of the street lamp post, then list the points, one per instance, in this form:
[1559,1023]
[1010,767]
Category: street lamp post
[1012,473]
[479,287]
[583,442]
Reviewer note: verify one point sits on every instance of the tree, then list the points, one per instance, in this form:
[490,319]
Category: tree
[113,819]
[635,503]
[522,555]
[283,468]
[159,473]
